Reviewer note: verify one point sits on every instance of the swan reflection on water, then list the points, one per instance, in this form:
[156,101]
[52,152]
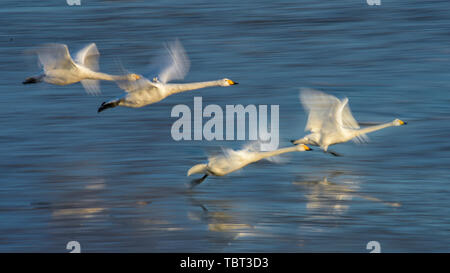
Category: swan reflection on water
[222,222]
[332,198]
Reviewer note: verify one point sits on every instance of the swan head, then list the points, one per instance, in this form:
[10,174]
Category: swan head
[311,139]
[133,77]
[199,168]
[227,82]
[398,122]
[303,147]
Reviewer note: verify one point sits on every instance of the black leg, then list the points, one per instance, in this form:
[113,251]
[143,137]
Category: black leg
[106,105]
[30,80]
[333,153]
[197,182]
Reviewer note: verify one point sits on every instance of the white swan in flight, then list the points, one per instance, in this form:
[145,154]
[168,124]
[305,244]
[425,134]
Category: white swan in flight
[144,92]
[331,121]
[234,160]
[59,68]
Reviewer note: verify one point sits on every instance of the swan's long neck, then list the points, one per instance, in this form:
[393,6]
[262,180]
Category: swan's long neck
[177,88]
[373,128]
[277,152]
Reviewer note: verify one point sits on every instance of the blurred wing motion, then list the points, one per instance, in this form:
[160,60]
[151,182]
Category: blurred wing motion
[88,56]
[328,114]
[55,56]
[349,122]
[232,160]
[138,85]
[173,64]
[321,109]
[254,147]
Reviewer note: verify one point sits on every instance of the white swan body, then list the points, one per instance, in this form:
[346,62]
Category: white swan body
[144,92]
[234,160]
[60,69]
[331,121]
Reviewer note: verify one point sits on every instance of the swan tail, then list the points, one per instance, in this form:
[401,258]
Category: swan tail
[109,104]
[199,168]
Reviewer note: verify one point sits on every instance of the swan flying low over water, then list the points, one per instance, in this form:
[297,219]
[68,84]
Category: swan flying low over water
[144,92]
[331,121]
[60,69]
[234,160]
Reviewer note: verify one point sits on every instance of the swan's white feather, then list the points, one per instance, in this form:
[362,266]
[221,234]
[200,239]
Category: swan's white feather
[327,114]
[88,56]
[173,63]
[55,56]
[138,85]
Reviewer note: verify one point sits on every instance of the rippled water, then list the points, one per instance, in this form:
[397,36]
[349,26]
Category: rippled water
[116,181]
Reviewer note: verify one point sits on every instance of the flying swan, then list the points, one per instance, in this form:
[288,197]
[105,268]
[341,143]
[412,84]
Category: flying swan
[331,121]
[60,69]
[234,160]
[144,92]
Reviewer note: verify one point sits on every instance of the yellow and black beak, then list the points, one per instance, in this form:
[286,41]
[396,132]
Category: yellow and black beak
[306,148]
[230,82]
[402,122]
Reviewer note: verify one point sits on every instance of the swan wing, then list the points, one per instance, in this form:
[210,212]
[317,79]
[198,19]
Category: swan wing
[321,109]
[138,85]
[88,56]
[231,160]
[172,64]
[92,87]
[55,56]
[348,121]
